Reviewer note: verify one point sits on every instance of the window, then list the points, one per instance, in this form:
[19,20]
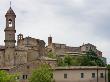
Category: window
[27,67]
[25,77]
[101,75]
[93,75]
[10,22]
[82,75]
[86,47]
[65,76]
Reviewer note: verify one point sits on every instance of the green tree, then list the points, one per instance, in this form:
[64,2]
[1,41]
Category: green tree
[6,77]
[68,60]
[60,61]
[91,59]
[51,55]
[42,74]
[88,59]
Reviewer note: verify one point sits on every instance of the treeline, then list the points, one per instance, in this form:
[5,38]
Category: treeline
[88,59]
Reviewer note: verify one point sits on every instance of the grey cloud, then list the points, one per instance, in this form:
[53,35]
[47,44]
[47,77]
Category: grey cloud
[69,21]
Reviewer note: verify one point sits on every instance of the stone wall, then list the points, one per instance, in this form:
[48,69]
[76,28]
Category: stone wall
[2,58]
[20,57]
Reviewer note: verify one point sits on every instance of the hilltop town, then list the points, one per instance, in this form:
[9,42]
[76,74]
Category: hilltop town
[30,52]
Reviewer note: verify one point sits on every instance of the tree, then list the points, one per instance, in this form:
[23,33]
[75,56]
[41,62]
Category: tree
[60,61]
[91,59]
[42,74]
[6,77]
[88,59]
[68,60]
[51,55]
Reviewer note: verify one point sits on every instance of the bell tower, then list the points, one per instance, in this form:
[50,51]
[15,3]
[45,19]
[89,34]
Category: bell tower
[49,41]
[10,37]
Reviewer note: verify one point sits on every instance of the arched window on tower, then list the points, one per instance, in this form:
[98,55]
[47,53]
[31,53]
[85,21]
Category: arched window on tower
[10,22]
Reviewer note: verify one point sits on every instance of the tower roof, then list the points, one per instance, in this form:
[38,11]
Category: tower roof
[10,12]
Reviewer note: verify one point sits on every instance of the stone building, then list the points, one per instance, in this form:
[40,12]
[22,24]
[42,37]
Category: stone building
[27,49]
[61,49]
[30,52]
[23,57]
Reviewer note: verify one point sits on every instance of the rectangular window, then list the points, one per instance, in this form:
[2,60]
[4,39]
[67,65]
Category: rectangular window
[82,75]
[65,76]
[101,75]
[25,77]
[93,75]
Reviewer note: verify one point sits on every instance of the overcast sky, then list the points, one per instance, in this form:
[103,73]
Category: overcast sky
[72,22]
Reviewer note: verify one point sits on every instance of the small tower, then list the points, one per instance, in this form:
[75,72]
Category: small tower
[49,41]
[20,36]
[10,37]
[20,40]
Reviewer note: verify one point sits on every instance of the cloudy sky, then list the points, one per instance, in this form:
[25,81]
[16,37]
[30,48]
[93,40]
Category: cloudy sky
[72,22]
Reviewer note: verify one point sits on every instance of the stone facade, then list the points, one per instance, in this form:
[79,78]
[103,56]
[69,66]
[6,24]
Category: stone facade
[27,49]
[30,52]
[26,55]
[62,49]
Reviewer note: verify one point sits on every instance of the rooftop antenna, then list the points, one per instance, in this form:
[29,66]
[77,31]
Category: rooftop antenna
[10,3]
